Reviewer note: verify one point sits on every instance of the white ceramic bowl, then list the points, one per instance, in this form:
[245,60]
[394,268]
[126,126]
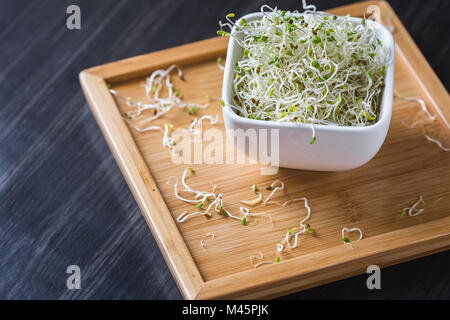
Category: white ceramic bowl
[337,148]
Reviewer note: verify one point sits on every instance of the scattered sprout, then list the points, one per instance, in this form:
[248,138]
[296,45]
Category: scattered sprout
[192,110]
[413,211]
[430,117]
[275,186]
[346,239]
[438,143]
[197,124]
[219,63]
[222,33]
[246,213]
[142,130]
[156,104]
[177,93]
[259,256]
[168,142]
[253,202]
[293,232]
[199,199]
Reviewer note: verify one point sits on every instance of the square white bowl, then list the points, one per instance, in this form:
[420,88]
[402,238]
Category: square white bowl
[337,148]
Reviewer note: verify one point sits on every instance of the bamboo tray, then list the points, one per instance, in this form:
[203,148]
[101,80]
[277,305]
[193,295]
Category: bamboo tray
[370,197]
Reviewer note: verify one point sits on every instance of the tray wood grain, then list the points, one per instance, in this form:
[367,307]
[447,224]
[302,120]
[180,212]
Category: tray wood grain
[369,197]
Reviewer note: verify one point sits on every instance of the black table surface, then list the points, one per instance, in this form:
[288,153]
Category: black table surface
[63,200]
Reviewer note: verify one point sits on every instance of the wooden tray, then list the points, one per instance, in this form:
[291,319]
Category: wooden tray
[370,197]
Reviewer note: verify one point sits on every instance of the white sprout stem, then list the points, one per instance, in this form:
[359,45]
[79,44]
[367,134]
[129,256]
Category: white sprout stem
[438,143]
[196,124]
[168,142]
[258,256]
[142,130]
[184,216]
[345,229]
[274,190]
[295,234]
[308,8]
[200,196]
[207,236]
[413,211]
[231,215]
[430,116]
[308,68]
[219,64]
[419,101]
[263,262]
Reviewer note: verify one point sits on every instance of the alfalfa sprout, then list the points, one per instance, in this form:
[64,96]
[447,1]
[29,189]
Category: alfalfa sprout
[196,125]
[157,104]
[347,240]
[259,256]
[309,67]
[294,232]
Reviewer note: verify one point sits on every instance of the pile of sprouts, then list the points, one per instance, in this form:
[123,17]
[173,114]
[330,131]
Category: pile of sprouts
[308,67]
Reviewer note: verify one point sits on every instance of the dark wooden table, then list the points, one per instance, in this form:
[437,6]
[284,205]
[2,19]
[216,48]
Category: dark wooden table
[63,200]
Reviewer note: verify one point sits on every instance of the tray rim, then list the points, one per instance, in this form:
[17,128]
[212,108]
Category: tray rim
[273,280]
